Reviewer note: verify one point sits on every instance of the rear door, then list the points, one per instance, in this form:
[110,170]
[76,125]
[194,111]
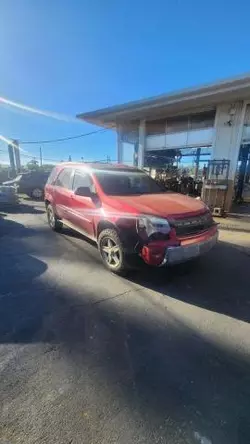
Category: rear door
[62,192]
[83,208]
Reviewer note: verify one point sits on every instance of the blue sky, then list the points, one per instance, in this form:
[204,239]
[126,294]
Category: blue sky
[79,55]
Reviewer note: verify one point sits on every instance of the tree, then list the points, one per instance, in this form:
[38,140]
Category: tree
[33,165]
[47,167]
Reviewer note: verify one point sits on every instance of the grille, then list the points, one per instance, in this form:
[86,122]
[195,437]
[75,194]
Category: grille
[193,225]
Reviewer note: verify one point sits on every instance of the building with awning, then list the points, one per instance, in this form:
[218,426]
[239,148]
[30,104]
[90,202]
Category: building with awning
[211,120]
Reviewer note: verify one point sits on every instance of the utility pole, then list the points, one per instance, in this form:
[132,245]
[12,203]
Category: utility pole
[12,160]
[17,155]
[41,156]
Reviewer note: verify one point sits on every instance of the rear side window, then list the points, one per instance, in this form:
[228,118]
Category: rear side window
[64,178]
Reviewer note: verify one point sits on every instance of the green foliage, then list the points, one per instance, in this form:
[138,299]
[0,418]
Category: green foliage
[3,167]
[33,165]
[47,167]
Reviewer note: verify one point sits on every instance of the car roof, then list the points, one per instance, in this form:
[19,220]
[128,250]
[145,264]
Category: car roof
[91,166]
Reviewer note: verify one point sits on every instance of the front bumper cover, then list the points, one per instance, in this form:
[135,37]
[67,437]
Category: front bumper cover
[183,253]
[175,251]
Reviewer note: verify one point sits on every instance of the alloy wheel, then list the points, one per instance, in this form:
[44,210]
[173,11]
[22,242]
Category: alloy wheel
[111,252]
[51,217]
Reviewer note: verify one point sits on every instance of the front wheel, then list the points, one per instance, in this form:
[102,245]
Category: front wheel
[53,221]
[111,250]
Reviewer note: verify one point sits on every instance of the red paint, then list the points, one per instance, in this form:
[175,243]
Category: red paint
[87,213]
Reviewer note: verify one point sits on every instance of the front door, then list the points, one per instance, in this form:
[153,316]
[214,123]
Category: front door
[83,208]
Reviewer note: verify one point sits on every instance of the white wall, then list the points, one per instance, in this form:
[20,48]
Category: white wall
[227,139]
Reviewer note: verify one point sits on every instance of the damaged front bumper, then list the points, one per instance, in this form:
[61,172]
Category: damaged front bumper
[176,255]
[164,253]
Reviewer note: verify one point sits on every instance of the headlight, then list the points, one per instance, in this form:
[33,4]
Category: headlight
[150,225]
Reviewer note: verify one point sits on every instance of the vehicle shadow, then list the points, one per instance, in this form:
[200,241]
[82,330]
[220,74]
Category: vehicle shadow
[30,199]
[8,226]
[137,369]
[20,208]
[218,282]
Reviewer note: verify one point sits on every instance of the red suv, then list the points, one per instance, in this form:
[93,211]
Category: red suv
[128,215]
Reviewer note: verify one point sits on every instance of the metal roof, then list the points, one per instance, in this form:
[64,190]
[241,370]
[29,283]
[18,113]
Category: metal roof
[237,88]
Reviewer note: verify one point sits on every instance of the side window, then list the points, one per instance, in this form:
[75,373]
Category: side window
[64,178]
[82,179]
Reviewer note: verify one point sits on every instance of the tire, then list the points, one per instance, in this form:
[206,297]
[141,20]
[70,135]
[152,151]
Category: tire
[53,221]
[37,193]
[112,252]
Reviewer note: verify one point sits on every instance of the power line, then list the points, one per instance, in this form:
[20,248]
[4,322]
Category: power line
[76,161]
[29,156]
[29,142]
[38,157]
[107,160]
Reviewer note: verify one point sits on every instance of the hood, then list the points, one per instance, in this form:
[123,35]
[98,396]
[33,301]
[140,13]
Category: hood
[171,205]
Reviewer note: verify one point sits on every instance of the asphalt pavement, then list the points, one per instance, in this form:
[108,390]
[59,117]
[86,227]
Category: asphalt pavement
[88,357]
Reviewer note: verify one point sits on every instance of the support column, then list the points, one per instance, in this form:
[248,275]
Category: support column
[142,143]
[119,144]
[228,133]
[136,146]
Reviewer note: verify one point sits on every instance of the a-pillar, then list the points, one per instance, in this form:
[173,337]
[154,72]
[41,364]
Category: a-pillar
[141,143]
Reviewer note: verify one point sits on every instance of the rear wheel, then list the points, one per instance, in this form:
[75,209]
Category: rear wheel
[53,221]
[111,250]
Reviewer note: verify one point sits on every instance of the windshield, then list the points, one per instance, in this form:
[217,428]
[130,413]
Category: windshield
[126,183]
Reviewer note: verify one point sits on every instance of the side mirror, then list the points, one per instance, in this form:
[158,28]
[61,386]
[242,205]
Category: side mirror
[83,191]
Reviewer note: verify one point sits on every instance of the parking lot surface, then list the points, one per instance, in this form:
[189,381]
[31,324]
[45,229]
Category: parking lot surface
[88,357]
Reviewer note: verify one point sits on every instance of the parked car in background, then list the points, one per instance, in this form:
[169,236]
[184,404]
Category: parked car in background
[31,183]
[129,216]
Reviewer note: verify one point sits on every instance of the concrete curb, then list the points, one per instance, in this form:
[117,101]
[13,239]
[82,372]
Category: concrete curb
[236,228]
